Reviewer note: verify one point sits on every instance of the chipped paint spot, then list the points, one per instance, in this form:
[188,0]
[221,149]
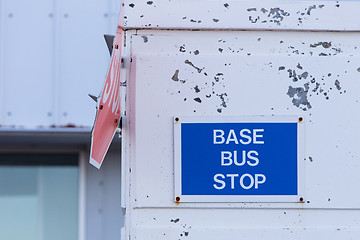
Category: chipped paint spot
[299,96]
[253,20]
[337,84]
[273,15]
[215,19]
[131,5]
[149,2]
[217,77]
[226,5]
[295,77]
[223,100]
[310,8]
[323,44]
[281,68]
[182,48]
[196,88]
[175,220]
[278,14]
[195,21]
[196,52]
[264,10]
[191,64]
[145,38]
[251,9]
[197,100]
[175,77]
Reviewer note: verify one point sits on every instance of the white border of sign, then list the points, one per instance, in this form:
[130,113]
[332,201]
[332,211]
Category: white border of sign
[178,197]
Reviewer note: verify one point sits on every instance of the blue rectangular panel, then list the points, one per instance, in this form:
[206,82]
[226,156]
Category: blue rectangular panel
[239,159]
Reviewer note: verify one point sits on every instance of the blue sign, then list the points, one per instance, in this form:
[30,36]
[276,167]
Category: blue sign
[245,158]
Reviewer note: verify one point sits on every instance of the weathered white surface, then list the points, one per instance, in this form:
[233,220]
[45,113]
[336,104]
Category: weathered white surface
[235,14]
[243,73]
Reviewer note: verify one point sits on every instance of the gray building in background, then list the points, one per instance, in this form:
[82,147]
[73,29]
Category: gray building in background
[52,54]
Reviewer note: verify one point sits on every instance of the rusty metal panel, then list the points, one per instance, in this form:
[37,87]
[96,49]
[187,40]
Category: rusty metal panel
[243,73]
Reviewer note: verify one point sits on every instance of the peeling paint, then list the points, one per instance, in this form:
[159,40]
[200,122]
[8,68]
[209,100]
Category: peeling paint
[197,100]
[195,21]
[310,8]
[175,220]
[299,96]
[253,20]
[196,88]
[272,15]
[191,64]
[182,48]
[217,77]
[223,100]
[337,84]
[145,38]
[323,44]
[276,15]
[251,9]
[176,78]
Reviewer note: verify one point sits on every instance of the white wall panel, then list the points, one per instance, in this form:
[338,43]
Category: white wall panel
[27,62]
[244,73]
[2,95]
[52,54]
[83,58]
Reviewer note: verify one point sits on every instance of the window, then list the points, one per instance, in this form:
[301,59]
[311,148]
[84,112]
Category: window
[39,196]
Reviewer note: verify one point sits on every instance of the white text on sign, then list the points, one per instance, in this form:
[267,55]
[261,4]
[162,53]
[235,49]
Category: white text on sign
[228,158]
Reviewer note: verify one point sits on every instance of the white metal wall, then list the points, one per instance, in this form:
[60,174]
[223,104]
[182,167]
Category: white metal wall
[300,68]
[52,54]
